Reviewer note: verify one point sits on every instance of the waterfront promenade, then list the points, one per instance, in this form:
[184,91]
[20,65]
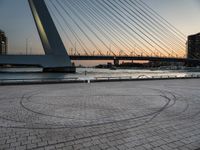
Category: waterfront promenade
[140,115]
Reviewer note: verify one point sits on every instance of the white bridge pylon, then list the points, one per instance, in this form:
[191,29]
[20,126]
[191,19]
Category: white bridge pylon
[56,58]
[49,36]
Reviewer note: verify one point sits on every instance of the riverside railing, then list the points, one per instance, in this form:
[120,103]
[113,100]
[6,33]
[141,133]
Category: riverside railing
[93,79]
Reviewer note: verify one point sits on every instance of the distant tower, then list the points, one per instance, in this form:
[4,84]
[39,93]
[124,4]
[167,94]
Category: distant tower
[193,46]
[3,43]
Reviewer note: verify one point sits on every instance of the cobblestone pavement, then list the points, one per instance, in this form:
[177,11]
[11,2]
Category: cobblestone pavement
[142,115]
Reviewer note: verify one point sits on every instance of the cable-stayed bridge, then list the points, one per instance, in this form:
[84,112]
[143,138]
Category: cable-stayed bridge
[101,30]
[129,27]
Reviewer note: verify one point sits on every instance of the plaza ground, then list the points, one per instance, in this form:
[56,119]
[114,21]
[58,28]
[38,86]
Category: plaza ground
[140,115]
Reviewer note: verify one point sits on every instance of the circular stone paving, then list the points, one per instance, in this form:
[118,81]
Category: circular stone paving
[49,110]
[121,115]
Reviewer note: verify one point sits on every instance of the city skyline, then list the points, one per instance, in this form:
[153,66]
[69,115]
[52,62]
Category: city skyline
[181,14]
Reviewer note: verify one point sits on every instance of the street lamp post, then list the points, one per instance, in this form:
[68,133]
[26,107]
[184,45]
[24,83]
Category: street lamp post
[27,45]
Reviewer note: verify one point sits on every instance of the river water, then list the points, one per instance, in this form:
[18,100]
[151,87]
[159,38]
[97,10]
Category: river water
[85,73]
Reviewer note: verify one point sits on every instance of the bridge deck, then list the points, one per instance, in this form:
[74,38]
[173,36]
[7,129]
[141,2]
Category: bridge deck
[55,61]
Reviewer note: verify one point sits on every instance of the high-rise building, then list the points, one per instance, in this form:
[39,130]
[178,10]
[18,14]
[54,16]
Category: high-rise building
[193,46]
[3,43]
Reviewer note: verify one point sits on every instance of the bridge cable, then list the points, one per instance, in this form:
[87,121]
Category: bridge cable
[61,27]
[125,22]
[141,23]
[163,28]
[74,12]
[155,22]
[79,28]
[71,29]
[113,28]
[96,19]
[119,21]
[96,25]
[141,29]
[104,25]
[107,21]
[154,28]
[160,18]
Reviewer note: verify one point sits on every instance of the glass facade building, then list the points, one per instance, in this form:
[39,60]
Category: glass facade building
[193,46]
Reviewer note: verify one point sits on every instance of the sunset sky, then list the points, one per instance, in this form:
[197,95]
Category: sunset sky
[17,21]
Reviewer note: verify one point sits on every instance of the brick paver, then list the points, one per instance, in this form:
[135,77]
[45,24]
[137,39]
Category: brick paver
[142,115]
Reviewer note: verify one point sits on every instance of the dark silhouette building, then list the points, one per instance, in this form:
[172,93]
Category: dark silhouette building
[193,46]
[3,43]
